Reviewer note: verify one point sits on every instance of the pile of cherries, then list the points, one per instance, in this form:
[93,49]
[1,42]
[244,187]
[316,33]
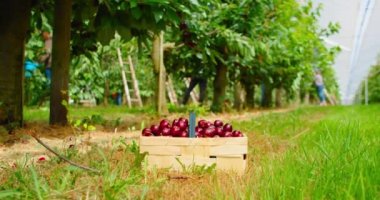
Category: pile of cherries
[180,128]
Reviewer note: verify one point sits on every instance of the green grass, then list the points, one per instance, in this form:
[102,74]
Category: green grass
[337,159]
[309,153]
[111,112]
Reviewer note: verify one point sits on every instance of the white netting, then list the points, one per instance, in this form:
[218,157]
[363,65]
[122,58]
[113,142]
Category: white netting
[359,38]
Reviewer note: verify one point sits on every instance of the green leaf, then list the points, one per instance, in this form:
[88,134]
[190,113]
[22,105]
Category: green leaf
[124,32]
[133,3]
[194,2]
[158,14]
[105,34]
[36,183]
[104,26]
[91,128]
[8,194]
[64,103]
[136,12]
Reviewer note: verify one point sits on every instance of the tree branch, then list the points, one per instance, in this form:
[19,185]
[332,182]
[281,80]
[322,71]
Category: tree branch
[64,158]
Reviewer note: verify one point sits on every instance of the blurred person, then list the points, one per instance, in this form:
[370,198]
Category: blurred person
[318,81]
[46,58]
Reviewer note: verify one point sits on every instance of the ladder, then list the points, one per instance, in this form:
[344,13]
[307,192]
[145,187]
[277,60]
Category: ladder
[171,92]
[131,80]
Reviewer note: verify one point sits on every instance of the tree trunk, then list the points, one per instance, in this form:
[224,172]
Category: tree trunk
[220,84]
[14,21]
[60,64]
[238,96]
[279,97]
[306,99]
[266,95]
[160,73]
[249,88]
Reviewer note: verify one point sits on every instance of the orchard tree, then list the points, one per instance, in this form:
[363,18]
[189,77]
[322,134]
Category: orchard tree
[61,61]
[373,85]
[267,43]
[142,19]
[208,40]
[91,20]
[14,20]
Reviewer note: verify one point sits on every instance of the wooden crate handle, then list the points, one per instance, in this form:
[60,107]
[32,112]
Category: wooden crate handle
[192,125]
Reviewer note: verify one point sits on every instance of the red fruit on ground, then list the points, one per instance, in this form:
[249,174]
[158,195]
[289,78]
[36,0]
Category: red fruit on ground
[42,158]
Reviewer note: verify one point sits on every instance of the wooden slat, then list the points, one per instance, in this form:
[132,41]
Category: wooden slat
[228,150]
[195,150]
[162,161]
[161,150]
[231,164]
[196,160]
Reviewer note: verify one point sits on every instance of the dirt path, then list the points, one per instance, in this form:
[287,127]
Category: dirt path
[29,147]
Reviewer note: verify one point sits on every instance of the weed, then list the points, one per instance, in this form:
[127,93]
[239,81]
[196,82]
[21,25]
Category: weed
[197,169]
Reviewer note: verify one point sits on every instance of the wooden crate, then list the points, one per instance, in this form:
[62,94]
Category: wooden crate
[228,154]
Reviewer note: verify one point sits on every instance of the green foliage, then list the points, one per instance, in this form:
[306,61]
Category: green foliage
[278,43]
[373,85]
[197,169]
[87,123]
[92,75]
[36,88]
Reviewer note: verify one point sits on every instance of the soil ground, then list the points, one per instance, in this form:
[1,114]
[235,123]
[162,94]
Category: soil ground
[21,144]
